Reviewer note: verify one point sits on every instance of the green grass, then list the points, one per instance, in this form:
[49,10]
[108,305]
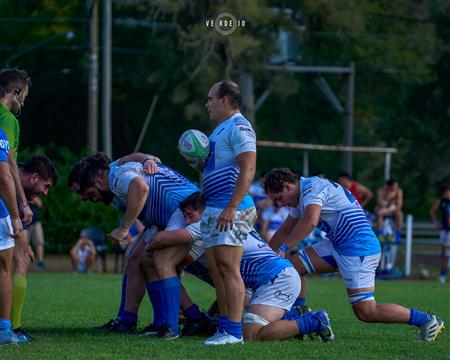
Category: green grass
[61,308]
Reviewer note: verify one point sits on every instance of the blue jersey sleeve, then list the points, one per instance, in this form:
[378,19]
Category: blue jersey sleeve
[4,146]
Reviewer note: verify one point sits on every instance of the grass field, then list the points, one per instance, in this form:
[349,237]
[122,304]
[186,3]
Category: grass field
[61,309]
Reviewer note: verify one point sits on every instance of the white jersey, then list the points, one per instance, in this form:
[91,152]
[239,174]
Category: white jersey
[259,264]
[341,217]
[231,138]
[275,216]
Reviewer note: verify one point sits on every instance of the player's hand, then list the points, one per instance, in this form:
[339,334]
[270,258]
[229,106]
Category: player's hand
[17,227]
[27,214]
[150,166]
[118,235]
[30,253]
[225,221]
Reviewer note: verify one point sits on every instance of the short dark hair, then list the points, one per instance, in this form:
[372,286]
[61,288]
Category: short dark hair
[75,173]
[195,201]
[274,179]
[231,90]
[344,174]
[13,80]
[41,165]
[390,182]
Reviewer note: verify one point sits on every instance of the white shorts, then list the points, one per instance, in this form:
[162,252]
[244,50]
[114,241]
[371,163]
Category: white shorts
[243,224]
[281,292]
[444,237]
[358,272]
[6,241]
[197,250]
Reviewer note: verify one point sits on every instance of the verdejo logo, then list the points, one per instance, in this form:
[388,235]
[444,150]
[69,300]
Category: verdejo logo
[225,23]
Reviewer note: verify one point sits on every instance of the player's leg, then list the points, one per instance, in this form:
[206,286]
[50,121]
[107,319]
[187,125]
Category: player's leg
[358,273]
[37,236]
[445,254]
[22,261]
[264,316]
[317,258]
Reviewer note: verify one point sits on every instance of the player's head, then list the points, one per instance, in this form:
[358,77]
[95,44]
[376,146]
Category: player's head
[391,184]
[192,208]
[224,99]
[37,176]
[14,85]
[73,180]
[89,179]
[344,179]
[281,185]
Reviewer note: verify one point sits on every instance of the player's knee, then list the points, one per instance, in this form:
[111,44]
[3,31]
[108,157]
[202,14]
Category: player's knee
[365,314]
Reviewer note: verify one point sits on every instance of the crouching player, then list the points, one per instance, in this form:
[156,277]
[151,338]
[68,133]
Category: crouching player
[274,284]
[352,248]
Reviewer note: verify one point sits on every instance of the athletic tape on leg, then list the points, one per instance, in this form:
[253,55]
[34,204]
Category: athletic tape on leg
[365,296]
[250,318]
[304,258]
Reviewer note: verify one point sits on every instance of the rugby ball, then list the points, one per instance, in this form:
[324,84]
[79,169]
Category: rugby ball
[194,145]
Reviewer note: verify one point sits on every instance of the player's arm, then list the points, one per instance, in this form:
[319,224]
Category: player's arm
[305,226]
[247,166]
[149,162]
[380,198]
[366,194]
[400,200]
[137,196]
[283,232]
[36,201]
[169,238]
[8,194]
[23,202]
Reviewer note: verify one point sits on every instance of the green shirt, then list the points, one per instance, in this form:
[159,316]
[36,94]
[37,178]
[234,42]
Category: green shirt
[10,125]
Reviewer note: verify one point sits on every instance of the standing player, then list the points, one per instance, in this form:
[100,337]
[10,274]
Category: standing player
[230,212]
[443,204]
[10,229]
[352,248]
[14,85]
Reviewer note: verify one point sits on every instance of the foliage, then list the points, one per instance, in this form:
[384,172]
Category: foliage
[400,51]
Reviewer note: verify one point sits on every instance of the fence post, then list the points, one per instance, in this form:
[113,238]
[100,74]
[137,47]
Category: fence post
[409,237]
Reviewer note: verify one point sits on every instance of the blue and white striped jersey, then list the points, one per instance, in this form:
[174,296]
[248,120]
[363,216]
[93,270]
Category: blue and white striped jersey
[231,138]
[341,217]
[259,264]
[167,189]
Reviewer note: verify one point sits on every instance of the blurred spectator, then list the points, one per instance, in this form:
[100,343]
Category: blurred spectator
[82,256]
[359,191]
[271,219]
[443,205]
[260,199]
[35,232]
[96,235]
[390,204]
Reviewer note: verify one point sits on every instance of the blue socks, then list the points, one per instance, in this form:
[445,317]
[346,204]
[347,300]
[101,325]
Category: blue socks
[129,318]
[5,325]
[192,312]
[234,328]
[222,323]
[307,324]
[123,296]
[444,272]
[418,318]
[155,299]
[165,298]
[299,302]
[231,327]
